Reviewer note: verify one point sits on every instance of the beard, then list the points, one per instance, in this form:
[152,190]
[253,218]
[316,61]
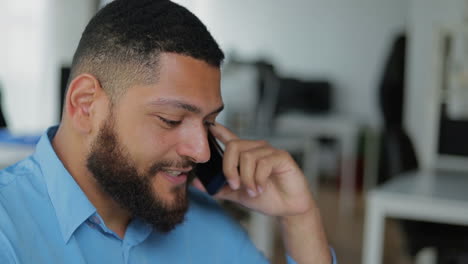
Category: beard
[117,176]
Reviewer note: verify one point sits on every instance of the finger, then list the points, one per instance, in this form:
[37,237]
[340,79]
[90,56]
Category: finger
[247,170]
[263,172]
[232,156]
[222,133]
[248,164]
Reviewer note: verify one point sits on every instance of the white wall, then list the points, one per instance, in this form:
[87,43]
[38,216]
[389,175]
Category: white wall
[22,53]
[37,37]
[426,18]
[346,41]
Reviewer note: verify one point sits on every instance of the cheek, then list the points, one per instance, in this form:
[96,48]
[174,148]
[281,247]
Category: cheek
[148,145]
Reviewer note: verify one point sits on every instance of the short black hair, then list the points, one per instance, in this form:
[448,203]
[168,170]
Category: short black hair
[122,42]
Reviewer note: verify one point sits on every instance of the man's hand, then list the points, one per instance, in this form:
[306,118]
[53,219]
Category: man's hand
[268,180]
[261,177]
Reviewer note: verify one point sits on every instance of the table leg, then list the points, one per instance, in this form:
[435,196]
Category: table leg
[348,174]
[261,229]
[373,232]
[310,164]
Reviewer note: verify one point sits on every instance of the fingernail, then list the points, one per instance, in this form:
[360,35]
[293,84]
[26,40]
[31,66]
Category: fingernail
[233,184]
[260,189]
[251,193]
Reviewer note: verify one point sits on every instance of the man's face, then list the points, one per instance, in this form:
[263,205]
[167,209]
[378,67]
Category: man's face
[153,136]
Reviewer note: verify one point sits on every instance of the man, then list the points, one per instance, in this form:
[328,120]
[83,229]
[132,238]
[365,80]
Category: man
[110,184]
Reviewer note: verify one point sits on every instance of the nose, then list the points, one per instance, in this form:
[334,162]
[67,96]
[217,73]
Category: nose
[195,146]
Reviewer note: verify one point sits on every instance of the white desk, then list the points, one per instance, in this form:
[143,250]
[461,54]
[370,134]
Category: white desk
[430,196]
[341,128]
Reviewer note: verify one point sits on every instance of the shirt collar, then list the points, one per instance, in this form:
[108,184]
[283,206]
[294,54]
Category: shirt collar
[71,205]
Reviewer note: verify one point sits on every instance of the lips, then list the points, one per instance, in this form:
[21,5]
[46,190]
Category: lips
[176,176]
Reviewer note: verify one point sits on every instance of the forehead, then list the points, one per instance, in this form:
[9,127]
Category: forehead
[181,78]
[179,71]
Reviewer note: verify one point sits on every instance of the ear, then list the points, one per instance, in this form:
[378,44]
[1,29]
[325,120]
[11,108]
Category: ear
[83,96]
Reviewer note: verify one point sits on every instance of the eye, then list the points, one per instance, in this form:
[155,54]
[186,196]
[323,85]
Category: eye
[169,122]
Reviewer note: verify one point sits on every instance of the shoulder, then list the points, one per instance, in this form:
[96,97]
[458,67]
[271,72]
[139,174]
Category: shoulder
[205,211]
[21,183]
[22,170]
[17,190]
[201,200]
[214,232]
[22,195]
[204,204]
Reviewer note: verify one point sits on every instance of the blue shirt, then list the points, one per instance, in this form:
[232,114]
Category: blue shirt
[46,218]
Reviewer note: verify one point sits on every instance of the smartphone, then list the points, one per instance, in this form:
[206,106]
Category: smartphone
[211,173]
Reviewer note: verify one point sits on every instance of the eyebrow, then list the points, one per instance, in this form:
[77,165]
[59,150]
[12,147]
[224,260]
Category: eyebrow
[183,105]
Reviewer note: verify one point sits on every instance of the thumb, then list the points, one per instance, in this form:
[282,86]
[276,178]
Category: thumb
[226,193]
[198,185]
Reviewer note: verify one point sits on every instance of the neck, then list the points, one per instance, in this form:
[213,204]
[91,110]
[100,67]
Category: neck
[115,218]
